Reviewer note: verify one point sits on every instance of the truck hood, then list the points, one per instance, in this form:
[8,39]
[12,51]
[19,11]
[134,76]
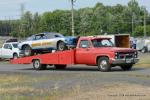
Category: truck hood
[116,49]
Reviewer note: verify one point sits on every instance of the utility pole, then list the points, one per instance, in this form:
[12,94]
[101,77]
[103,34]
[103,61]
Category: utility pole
[132,17]
[145,23]
[132,24]
[22,9]
[72,6]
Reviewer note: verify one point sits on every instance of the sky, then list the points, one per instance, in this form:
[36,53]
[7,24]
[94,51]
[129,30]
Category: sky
[11,9]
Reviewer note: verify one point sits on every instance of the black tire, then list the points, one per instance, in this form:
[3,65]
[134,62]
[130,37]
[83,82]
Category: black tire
[61,46]
[15,56]
[27,51]
[38,66]
[126,67]
[144,50]
[60,66]
[103,64]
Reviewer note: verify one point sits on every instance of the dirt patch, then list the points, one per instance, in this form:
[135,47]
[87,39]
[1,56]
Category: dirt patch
[118,91]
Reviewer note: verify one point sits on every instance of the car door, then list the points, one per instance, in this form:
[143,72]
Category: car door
[84,54]
[50,41]
[36,42]
[7,51]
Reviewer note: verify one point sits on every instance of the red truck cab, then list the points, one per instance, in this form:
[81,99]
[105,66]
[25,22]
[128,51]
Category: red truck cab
[101,52]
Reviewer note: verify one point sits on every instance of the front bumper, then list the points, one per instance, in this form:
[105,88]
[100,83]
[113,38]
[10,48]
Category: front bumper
[125,61]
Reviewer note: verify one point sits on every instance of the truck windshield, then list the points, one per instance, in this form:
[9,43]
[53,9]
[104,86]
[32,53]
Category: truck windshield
[15,45]
[102,43]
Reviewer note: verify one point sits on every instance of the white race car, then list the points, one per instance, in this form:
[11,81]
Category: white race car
[42,42]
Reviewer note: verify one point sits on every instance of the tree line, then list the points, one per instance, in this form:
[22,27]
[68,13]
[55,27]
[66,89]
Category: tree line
[99,19]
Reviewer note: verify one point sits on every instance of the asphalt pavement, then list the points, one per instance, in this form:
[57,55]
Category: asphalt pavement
[84,75]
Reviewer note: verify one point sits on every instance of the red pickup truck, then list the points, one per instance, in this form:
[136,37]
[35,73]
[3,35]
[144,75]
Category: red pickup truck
[95,51]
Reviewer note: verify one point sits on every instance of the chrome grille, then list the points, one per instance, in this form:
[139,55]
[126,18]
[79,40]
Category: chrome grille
[125,55]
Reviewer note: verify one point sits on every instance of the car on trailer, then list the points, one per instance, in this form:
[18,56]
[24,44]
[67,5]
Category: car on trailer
[44,42]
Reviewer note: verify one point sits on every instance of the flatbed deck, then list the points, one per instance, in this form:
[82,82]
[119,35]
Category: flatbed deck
[58,57]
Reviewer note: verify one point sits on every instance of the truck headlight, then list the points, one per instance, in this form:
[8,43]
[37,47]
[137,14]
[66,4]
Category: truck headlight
[136,54]
[116,55]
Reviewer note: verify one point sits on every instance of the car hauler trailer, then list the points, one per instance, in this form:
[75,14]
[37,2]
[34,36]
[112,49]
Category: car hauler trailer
[96,51]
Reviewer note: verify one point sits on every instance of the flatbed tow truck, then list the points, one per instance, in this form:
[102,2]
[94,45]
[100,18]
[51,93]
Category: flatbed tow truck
[97,51]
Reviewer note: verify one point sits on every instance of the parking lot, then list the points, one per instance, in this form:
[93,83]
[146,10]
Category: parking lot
[75,82]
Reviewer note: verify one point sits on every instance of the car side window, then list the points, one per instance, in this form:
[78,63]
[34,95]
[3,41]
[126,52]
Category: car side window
[56,36]
[7,46]
[84,44]
[40,37]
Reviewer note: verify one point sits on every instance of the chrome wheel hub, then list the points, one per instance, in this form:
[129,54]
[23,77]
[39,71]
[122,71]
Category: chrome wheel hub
[103,64]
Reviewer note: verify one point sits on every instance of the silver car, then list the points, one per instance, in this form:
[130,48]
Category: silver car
[42,42]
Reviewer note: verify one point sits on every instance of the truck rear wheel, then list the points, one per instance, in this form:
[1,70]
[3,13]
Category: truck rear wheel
[38,66]
[60,66]
[103,64]
[126,67]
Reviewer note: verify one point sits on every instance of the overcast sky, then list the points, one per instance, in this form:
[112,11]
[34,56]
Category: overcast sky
[11,8]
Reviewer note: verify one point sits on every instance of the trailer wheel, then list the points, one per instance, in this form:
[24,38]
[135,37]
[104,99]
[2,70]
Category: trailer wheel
[103,64]
[61,46]
[126,67]
[60,66]
[38,66]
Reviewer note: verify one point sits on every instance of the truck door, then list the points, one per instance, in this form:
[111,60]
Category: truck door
[7,51]
[84,53]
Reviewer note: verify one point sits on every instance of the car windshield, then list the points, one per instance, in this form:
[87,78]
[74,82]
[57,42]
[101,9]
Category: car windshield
[102,43]
[15,45]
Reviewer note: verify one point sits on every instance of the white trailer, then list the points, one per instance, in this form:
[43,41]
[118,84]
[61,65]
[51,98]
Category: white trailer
[143,45]
[119,40]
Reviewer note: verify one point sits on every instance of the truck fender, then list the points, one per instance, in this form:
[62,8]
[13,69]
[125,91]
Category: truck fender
[99,56]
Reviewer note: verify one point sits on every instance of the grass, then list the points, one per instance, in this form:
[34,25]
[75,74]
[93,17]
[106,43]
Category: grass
[21,87]
[113,91]
[144,60]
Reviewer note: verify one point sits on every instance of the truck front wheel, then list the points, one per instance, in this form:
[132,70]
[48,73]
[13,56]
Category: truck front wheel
[38,66]
[103,64]
[60,66]
[126,67]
